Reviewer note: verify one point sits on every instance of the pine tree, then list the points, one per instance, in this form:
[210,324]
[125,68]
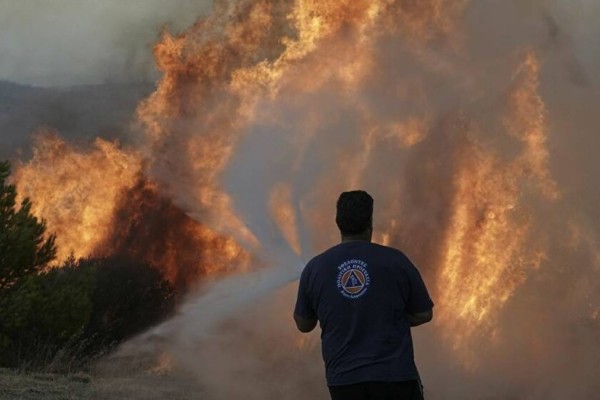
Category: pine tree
[24,247]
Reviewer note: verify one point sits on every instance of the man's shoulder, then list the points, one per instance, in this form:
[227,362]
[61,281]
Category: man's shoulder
[393,256]
[373,247]
[383,252]
[319,258]
[387,250]
[323,258]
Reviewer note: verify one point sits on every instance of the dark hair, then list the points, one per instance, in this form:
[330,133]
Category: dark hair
[354,212]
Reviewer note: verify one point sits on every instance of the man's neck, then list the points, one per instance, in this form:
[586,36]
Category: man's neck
[357,238]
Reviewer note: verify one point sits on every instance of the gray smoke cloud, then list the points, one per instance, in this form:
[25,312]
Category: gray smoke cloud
[73,42]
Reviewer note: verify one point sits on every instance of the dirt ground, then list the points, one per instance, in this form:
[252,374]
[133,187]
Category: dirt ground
[80,386]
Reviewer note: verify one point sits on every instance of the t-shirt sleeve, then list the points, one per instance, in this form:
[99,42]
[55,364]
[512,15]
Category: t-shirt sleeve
[304,306]
[418,296]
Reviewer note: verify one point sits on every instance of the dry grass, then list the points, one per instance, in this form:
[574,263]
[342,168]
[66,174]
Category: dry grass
[135,386]
[15,386]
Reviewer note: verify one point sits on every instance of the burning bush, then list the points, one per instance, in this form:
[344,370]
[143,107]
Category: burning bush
[71,313]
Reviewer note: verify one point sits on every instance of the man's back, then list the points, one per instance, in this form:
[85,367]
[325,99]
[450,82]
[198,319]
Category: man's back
[362,294]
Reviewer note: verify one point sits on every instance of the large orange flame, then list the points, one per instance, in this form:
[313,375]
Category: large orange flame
[76,191]
[488,249]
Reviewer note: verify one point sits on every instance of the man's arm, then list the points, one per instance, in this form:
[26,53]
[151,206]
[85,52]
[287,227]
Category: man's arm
[418,296]
[304,312]
[305,325]
[420,318]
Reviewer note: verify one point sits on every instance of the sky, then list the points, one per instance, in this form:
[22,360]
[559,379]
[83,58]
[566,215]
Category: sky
[71,42]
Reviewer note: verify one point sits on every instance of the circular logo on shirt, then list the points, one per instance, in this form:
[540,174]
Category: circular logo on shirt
[353,279]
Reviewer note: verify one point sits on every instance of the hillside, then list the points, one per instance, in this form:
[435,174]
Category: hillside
[77,112]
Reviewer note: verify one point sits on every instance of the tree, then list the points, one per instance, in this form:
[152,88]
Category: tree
[44,316]
[24,247]
[64,317]
[129,296]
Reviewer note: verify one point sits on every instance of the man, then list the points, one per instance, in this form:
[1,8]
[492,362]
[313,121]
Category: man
[366,297]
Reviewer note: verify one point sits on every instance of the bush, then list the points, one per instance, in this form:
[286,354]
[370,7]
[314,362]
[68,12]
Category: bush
[66,316]
[44,314]
[129,297]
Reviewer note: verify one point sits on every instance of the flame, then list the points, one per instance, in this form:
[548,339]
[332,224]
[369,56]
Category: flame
[410,132]
[526,120]
[76,191]
[488,252]
[149,227]
[164,364]
[109,210]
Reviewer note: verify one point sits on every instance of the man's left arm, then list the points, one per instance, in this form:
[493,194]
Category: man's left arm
[420,318]
[419,307]
[304,313]
[305,324]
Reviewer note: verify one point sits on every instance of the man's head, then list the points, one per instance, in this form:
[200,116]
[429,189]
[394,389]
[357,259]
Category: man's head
[354,214]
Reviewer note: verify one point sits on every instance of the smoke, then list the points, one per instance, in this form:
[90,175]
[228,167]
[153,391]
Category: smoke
[575,22]
[72,42]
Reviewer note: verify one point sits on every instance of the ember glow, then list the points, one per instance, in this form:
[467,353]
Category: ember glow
[267,110]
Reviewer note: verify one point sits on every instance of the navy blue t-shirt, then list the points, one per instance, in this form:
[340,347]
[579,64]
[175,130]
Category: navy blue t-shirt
[361,293]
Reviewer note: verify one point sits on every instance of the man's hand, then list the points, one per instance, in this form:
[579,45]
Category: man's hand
[303,324]
[420,318]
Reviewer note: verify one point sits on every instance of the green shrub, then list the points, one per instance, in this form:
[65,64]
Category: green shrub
[44,313]
[68,315]
[129,297]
